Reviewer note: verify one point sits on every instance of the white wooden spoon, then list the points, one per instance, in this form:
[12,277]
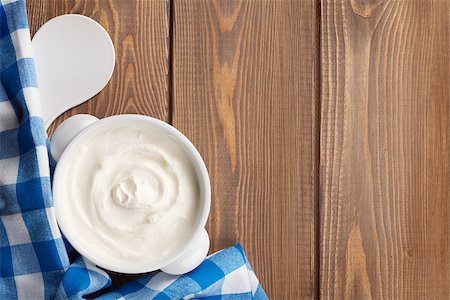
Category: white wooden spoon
[74,58]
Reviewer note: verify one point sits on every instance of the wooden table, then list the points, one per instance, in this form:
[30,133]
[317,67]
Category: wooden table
[324,126]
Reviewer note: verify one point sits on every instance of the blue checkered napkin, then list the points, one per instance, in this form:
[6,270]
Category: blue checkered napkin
[34,258]
[80,279]
[224,275]
[32,252]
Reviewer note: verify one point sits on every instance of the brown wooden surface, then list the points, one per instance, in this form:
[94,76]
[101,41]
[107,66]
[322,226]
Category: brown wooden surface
[140,34]
[245,94]
[324,126]
[384,157]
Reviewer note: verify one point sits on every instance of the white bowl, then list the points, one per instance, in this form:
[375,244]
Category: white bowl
[187,257]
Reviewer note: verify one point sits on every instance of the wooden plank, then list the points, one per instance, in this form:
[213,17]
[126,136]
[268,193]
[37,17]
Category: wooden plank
[384,158]
[140,34]
[244,91]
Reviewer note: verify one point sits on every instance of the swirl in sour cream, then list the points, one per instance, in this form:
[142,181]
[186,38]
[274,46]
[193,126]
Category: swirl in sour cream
[131,193]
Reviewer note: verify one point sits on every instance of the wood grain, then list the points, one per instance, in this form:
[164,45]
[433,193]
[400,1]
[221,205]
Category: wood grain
[140,34]
[244,91]
[244,87]
[384,150]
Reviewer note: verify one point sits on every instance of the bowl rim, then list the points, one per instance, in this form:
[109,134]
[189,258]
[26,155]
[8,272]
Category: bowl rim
[204,186]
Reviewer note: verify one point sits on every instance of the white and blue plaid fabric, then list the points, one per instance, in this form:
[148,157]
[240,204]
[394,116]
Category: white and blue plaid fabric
[35,261]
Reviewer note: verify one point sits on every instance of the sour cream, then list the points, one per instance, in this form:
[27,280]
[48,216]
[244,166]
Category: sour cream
[131,194]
